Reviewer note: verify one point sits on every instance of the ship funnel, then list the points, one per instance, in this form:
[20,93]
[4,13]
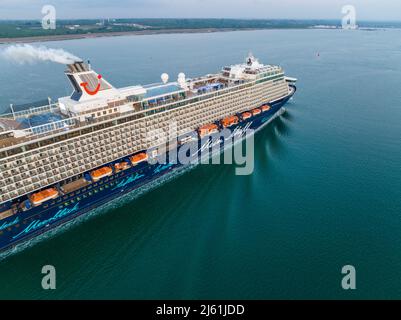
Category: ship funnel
[78,66]
[86,82]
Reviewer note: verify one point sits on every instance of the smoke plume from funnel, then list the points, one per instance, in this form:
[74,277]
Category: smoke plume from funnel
[29,54]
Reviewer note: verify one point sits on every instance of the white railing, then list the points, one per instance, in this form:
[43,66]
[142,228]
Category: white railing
[29,112]
[50,127]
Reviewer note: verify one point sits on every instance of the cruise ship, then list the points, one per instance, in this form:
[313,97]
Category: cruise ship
[61,160]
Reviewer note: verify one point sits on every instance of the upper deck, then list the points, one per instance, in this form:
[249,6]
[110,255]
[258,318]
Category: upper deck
[69,114]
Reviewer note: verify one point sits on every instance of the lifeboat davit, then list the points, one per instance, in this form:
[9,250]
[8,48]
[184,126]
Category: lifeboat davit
[101,173]
[246,115]
[121,166]
[265,108]
[138,158]
[255,112]
[230,121]
[43,196]
[208,129]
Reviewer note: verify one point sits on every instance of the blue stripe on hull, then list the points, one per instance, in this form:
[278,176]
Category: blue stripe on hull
[27,225]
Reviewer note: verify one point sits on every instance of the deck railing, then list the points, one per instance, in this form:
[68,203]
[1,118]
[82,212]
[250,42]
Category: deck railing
[30,111]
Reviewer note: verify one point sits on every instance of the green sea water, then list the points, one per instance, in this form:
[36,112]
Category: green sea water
[325,192]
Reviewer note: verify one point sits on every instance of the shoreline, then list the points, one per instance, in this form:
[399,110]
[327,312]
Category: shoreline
[63,37]
[117,34]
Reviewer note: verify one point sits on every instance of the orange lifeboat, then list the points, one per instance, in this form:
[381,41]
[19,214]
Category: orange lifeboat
[43,196]
[230,121]
[255,112]
[138,158]
[101,173]
[265,108]
[121,166]
[208,129]
[246,115]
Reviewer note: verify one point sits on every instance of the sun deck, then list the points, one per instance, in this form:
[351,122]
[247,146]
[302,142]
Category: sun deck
[160,91]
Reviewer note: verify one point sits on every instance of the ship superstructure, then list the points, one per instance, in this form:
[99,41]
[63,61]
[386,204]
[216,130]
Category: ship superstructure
[53,150]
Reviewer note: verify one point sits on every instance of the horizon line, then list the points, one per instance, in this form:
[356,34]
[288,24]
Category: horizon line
[160,18]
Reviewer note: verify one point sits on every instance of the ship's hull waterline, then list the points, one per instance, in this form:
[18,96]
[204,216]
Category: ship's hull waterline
[45,218]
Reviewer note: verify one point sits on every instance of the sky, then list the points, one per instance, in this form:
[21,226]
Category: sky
[378,10]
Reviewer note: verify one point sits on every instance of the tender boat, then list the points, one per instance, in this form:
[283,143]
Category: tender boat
[229,121]
[208,130]
[265,108]
[246,115]
[255,112]
[121,166]
[101,173]
[138,158]
[43,196]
